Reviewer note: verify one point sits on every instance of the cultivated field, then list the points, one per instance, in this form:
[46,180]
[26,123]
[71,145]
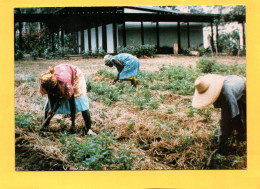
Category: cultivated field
[152,127]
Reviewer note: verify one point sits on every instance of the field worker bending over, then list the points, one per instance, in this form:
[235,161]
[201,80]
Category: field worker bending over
[229,94]
[66,89]
[127,66]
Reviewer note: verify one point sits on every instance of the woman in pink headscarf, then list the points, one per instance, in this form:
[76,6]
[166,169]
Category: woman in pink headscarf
[67,94]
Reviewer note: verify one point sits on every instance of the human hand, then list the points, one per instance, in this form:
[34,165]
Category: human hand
[51,113]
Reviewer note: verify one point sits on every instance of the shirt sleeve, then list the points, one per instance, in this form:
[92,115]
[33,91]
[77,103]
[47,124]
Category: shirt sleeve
[230,94]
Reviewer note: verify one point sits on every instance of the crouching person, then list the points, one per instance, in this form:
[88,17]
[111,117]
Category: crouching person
[229,94]
[127,66]
[66,89]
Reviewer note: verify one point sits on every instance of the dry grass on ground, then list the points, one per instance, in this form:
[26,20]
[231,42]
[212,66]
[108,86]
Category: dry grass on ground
[166,138]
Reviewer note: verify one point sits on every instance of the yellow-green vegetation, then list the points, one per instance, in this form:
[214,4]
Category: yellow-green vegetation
[151,127]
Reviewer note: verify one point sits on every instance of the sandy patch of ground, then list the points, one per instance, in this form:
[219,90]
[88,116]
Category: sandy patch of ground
[23,69]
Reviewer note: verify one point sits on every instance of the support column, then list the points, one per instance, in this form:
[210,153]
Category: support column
[82,41]
[89,40]
[104,37]
[188,34]
[142,33]
[243,35]
[52,41]
[96,32]
[158,36]
[20,35]
[62,38]
[73,41]
[212,37]
[77,42]
[179,37]
[217,38]
[115,37]
[124,35]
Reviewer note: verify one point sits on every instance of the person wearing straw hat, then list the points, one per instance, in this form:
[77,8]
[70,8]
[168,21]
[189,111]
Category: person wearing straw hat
[127,66]
[67,94]
[229,94]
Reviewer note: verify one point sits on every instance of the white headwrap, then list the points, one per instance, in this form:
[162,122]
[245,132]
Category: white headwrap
[107,58]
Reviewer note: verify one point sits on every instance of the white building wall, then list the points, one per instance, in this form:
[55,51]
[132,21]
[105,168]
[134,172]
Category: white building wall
[167,32]
[93,40]
[150,33]
[110,44]
[227,28]
[133,33]
[100,38]
[86,40]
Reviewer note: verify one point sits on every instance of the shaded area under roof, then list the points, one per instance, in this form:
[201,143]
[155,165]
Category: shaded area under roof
[77,18]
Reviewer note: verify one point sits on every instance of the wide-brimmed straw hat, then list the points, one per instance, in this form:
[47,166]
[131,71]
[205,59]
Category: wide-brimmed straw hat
[107,58]
[48,79]
[207,90]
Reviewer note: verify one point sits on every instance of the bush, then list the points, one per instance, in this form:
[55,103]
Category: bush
[18,54]
[100,53]
[49,54]
[228,43]
[34,54]
[205,65]
[63,51]
[139,50]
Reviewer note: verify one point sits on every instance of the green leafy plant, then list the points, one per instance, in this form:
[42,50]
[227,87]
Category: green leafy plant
[139,50]
[96,152]
[26,120]
[34,54]
[206,65]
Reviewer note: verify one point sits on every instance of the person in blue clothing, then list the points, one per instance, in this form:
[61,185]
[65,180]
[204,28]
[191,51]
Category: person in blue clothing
[229,94]
[127,66]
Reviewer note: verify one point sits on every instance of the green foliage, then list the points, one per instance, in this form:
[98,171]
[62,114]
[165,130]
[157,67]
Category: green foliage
[35,40]
[206,65]
[49,54]
[202,51]
[18,54]
[104,90]
[97,54]
[63,51]
[105,73]
[230,69]
[34,54]
[26,120]
[228,43]
[96,152]
[178,79]
[139,50]
[143,99]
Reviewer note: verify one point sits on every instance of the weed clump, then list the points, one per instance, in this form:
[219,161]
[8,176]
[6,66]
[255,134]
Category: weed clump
[97,152]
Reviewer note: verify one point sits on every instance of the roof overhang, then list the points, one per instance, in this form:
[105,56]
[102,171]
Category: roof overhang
[76,18]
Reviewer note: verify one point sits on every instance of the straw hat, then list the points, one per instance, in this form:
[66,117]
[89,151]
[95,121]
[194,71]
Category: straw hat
[48,79]
[207,90]
[107,58]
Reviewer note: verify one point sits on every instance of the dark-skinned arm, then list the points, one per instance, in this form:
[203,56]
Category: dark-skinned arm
[52,101]
[72,110]
[119,67]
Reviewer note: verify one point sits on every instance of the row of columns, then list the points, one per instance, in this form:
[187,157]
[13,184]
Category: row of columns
[104,36]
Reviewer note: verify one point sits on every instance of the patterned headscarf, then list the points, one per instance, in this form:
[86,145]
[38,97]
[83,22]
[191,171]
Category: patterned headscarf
[107,59]
[48,80]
